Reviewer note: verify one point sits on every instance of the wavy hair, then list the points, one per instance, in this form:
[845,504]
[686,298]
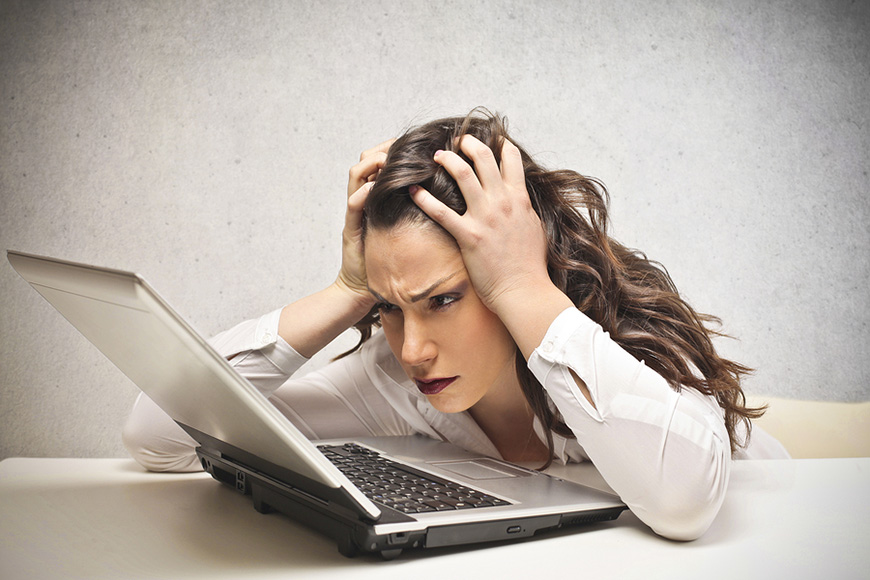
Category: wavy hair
[630,296]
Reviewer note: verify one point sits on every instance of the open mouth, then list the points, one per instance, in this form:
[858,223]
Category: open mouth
[434,386]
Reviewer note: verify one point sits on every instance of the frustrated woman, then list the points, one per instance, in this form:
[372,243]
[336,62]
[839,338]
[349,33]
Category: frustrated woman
[496,312]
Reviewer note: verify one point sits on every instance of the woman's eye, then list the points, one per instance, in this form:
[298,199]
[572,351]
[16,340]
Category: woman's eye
[442,302]
[386,308]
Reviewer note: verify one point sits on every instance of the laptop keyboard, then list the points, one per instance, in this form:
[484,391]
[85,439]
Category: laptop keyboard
[401,487]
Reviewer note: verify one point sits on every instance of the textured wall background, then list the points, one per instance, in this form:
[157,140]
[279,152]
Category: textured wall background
[206,146]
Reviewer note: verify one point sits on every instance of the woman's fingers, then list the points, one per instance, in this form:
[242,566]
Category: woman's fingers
[435,209]
[472,180]
[486,178]
[370,163]
[462,172]
[353,271]
[379,148]
[360,181]
[365,171]
[500,235]
[485,166]
[512,166]
[357,200]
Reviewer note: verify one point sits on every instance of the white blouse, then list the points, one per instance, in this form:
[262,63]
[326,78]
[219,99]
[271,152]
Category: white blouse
[666,453]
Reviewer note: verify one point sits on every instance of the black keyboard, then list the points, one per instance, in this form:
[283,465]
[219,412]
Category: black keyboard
[401,487]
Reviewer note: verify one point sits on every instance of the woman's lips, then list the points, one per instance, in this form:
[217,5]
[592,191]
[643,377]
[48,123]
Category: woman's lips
[434,386]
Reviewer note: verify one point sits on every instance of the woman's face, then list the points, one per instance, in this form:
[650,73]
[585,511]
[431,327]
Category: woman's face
[452,346]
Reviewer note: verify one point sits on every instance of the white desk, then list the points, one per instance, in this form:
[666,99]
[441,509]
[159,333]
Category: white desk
[106,518]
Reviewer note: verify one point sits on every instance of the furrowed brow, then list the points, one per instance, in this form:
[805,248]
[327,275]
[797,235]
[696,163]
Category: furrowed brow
[418,296]
[377,296]
[425,293]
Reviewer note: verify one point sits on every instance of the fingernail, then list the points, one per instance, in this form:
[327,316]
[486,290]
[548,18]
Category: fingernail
[439,152]
[413,189]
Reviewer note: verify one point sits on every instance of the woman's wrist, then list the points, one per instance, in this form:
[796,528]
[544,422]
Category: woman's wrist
[309,324]
[528,311]
[356,302]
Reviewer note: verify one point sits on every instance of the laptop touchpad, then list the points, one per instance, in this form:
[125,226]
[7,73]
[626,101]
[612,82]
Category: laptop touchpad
[481,469]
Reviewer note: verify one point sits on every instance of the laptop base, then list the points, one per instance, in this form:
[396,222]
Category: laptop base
[354,535]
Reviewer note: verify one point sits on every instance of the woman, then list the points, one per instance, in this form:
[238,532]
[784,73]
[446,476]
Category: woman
[511,325]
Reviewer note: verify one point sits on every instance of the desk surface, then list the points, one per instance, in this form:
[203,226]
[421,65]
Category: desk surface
[106,518]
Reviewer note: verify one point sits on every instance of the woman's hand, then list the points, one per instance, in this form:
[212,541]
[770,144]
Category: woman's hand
[312,322]
[352,276]
[502,240]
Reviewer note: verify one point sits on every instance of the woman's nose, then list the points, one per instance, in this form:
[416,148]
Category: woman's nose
[417,345]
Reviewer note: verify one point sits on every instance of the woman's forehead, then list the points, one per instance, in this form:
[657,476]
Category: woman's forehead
[424,232]
[410,260]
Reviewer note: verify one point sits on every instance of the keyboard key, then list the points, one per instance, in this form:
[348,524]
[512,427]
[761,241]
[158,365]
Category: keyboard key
[401,487]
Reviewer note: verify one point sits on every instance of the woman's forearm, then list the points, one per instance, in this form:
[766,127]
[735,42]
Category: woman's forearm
[665,452]
[309,324]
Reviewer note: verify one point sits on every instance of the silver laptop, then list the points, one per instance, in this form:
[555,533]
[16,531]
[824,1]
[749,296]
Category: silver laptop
[380,494]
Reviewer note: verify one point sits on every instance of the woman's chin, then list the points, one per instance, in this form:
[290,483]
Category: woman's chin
[447,404]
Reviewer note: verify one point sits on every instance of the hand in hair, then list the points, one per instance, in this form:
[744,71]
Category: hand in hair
[312,322]
[352,275]
[502,241]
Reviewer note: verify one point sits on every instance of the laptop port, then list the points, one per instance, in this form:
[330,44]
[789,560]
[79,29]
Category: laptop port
[398,538]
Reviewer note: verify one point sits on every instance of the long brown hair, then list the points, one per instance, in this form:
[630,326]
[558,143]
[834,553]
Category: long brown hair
[630,296]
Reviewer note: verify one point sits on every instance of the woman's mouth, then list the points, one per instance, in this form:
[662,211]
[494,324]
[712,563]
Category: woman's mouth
[434,386]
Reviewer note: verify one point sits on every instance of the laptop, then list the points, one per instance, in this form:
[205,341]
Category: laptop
[370,495]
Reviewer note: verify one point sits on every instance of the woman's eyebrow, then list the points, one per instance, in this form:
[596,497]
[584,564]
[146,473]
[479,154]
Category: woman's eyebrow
[420,295]
[425,293]
[377,296]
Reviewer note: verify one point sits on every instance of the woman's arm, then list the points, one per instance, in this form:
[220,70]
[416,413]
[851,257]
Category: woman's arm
[268,350]
[339,400]
[503,244]
[255,350]
[313,322]
[665,453]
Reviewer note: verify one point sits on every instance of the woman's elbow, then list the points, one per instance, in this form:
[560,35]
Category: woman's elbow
[686,523]
[156,442]
[154,454]
[685,511]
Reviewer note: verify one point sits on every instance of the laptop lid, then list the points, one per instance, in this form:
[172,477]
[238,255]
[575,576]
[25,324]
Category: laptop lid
[143,336]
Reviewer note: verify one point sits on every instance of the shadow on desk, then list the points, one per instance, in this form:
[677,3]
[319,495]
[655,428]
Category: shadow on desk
[120,521]
[105,518]
[168,526]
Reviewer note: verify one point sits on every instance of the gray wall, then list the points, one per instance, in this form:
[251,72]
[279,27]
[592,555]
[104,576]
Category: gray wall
[206,146]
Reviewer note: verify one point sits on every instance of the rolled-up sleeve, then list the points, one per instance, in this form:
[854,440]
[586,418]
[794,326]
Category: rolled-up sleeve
[665,452]
[353,396]
[257,351]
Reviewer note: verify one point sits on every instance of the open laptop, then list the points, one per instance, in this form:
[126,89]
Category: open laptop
[423,494]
